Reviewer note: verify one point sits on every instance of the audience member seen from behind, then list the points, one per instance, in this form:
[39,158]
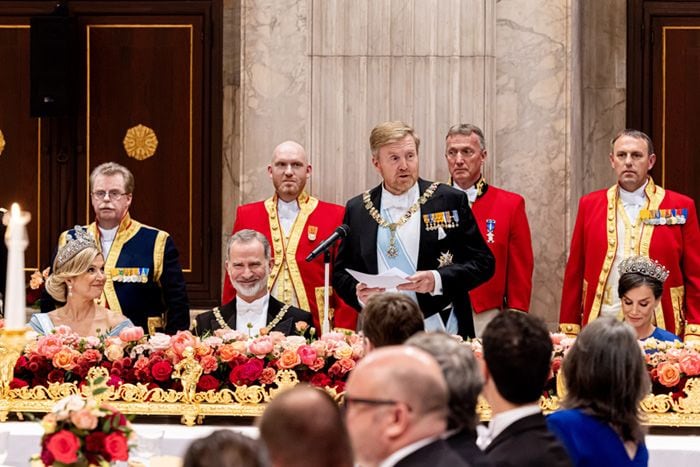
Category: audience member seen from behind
[77,279]
[606,379]
[225,448]
[517,352]
[396,410]
[304,427]
[464,383]
[390,319]
[640,289]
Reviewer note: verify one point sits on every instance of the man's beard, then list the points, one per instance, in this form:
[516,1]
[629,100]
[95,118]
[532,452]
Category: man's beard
[250,290]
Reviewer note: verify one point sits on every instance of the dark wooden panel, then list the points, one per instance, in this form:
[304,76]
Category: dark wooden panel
[20,162]
[145,74]
[675,100]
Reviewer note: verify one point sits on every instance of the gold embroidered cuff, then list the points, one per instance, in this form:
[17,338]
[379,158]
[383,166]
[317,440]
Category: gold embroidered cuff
[570,329]
[692,332]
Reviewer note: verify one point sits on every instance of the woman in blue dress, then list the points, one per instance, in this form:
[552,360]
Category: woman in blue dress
[606,379]
[639,288]
[77,278]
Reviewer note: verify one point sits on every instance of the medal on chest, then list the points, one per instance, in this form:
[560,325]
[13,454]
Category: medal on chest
[490,230]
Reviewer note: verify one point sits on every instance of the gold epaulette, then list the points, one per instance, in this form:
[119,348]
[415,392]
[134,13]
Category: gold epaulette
[570,329]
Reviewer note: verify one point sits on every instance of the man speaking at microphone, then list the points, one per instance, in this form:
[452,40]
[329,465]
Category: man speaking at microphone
[295,224]
[424,229]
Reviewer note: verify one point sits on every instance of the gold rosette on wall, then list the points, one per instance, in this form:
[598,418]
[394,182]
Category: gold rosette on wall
[140,142]
[2,142]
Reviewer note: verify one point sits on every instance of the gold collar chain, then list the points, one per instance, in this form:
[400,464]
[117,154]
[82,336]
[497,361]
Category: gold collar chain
[392,251]
[224,325]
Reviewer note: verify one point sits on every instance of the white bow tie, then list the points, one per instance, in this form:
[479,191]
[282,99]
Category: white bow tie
[249,309]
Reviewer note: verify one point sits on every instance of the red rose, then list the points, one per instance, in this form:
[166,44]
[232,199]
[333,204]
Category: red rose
[114,381]
[339,386]
[207,383]
[55,376]
[246,373]
[162,370]
[94,442]
[320,380]
[336,371]
[21,363]
[64,446]
[17,383]
[116,446]
[116,419]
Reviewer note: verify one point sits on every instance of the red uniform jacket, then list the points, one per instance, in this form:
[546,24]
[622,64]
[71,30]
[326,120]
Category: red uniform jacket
[593,247]
[315,222]
[510,243]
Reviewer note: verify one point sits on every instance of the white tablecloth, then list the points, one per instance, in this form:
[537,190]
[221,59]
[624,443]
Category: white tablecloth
[664,450]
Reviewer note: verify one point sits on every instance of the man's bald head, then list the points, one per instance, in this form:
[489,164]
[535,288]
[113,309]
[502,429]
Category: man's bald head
[303,426]
[289,170]
[395,396]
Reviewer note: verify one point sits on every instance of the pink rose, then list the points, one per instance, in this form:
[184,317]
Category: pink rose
[669,374]
[690,364]
[64,446]
[227,352]
[131,334]
[49,345]
[261,346]
[268,376]
[84,419]
[92,356]
[289,359]
[180,341]
[317,364]
[307,354]
[277,337]
[301,326]
[208,363]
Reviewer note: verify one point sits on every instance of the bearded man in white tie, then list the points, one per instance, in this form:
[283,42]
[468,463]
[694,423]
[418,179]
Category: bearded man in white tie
[425,229]
[253,311]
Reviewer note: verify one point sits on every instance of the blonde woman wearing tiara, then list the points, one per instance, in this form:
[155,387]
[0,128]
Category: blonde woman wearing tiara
[77,279]
[640,288]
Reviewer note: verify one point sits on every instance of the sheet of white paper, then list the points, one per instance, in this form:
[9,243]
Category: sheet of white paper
[386,280]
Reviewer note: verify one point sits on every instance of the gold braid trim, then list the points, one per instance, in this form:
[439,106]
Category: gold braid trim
[271,324]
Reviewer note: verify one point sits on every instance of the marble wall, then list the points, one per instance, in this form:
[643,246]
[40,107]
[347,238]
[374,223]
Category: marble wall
[535,74]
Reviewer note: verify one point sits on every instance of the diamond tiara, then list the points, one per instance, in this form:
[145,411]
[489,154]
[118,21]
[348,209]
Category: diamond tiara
[644,266]
[77,242]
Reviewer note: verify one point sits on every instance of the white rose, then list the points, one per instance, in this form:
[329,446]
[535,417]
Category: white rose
[159,341]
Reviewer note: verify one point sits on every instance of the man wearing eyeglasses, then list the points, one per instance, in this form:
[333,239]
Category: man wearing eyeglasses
[502,221]
[396,410]
[143,272]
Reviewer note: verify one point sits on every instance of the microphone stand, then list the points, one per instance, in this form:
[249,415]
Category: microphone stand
[326,324]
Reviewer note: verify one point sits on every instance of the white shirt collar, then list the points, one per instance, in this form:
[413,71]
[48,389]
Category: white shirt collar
[471,191]
[636,197]
[503,420]
[108,234]
[396,456]
[287,212]
[258,305]
[403,201]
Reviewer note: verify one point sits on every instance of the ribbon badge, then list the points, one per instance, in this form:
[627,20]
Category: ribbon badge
[490,228]
[311,233]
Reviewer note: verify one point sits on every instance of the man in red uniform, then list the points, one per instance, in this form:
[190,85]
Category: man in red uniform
[295,223]
[633,217]
[502,221]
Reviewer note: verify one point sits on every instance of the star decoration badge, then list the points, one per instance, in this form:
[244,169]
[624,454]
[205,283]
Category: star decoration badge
[445,259]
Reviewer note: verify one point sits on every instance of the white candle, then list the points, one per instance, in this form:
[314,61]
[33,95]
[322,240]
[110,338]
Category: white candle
[16,241]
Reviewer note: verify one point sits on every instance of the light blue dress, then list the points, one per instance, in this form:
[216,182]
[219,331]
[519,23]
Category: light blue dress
[592,442]
[41,323]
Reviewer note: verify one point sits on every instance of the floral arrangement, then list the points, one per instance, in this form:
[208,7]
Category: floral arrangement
[36,287]
[670,364]
[81,432]
[228,358]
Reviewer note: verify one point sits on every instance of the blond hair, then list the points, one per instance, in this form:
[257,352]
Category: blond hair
[389,132]
[56,282]
[112,168]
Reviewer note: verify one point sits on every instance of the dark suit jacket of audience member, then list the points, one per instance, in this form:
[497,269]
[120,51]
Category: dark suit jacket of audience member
[472,262]
[464,444]
[435,454]
[527,443]
[287,325]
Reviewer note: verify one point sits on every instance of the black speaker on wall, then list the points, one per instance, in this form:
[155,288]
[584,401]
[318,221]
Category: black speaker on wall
[53,61]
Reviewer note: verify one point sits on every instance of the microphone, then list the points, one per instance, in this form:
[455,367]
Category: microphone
[341,231]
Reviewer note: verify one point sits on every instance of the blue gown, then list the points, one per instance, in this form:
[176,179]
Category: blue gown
[41,323]
[591,442]
[662,335]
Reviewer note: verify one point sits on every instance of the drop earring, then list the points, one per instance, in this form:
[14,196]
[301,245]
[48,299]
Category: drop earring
[70,290]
